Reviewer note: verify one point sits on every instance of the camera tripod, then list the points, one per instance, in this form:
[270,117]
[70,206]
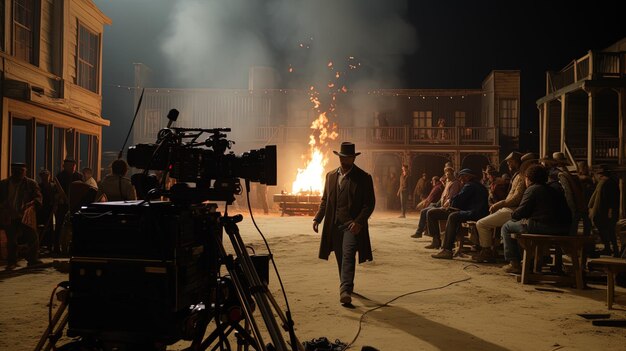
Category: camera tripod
[248,285]
[246,291]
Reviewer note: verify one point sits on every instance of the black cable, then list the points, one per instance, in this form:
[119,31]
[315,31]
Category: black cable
[119,156]
[403,295]
[269,251]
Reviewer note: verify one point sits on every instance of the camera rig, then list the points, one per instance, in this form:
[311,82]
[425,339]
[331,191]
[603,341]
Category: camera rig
[146,274]
[216,173]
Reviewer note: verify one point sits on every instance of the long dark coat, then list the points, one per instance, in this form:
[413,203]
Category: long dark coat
[361,202]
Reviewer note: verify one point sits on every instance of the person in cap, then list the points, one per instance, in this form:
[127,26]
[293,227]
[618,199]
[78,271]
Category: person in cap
[500,212]
[64,179]
[604,210]
[19,199]
[528,159]
[346,205]
[542,211]
[469,204]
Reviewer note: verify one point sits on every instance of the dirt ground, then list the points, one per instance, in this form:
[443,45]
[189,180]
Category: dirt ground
[437,304]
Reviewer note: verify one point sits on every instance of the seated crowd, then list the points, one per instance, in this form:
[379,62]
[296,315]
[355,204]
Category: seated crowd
[537,195]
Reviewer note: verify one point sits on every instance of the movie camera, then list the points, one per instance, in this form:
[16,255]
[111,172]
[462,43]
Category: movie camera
[204,163]
[146,274]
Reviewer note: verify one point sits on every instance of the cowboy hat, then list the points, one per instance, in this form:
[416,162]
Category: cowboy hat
[347,150]
[559,158]
[514,156]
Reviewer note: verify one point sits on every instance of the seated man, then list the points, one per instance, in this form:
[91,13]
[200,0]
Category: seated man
[430,202]
[500,212]
[470,204]
[451,187]
[543,210]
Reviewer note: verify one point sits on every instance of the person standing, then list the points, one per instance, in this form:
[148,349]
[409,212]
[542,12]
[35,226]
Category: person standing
[19,197]
[403,190]
[50,193]
[604,210]
[64,179]
[347,203]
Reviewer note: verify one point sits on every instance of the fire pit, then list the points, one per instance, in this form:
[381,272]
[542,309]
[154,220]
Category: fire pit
[298,204]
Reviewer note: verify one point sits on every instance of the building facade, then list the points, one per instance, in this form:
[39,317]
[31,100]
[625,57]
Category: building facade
[424,128]
[51,71]
[583,113]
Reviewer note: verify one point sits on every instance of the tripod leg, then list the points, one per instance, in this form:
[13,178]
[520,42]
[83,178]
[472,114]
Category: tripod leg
[241,295]
[257,287]
[286,321]
[48,336]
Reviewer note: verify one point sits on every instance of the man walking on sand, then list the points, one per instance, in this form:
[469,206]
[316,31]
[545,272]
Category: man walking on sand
[347,203]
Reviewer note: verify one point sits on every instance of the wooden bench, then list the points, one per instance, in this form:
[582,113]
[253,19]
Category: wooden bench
[533,245]
[611,266]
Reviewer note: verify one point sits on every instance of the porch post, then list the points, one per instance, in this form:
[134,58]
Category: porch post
[563,121]
[590,123]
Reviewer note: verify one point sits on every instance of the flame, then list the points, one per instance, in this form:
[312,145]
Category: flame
[311,177]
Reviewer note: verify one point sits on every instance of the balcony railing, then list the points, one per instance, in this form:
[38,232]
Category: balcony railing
[377,136]
[604,150]
[594,65]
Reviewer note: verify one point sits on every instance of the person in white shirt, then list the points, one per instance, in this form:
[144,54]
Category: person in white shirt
[88,176]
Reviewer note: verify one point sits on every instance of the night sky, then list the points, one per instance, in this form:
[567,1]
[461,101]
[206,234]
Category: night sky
[414,44]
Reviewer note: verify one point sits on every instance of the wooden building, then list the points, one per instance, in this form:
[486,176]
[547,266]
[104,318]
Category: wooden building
[583,113]
[390,127]
[51,70]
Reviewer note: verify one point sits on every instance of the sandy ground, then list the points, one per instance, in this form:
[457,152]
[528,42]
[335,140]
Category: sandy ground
[485,309]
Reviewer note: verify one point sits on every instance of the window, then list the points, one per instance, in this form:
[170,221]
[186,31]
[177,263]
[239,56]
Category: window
[41,147]
[88,151]
[422,122]
[459,118]
[24,30]
[2,4]
[21,142]
[87,57]
[58,150]
[509,120]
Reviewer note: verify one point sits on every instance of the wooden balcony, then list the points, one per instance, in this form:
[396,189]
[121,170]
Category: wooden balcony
[374,137]
[594,65]
[606,150]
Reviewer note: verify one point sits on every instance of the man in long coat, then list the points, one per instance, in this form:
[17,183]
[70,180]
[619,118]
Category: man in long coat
[347,203]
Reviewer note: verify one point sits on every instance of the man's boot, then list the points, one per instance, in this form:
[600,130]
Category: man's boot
[514,267]
[486,254]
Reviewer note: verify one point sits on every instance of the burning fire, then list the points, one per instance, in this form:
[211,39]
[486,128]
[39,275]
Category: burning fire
[311,178]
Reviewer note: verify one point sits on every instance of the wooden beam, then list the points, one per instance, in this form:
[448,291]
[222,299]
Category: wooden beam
[590,124]
[563,121]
